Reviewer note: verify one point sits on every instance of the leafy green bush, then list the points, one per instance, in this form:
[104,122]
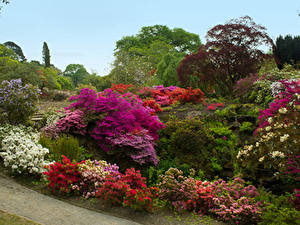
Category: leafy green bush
[66,145]
[246,127]
[209,147]
[278,210]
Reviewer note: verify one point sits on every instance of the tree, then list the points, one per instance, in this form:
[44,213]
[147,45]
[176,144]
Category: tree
[7,52]
[17,49]
[76,72]
[139,54]
[179,39]
[166,69]
[46,55]
[3,2]
[287,50]
[130,69]
[232,50]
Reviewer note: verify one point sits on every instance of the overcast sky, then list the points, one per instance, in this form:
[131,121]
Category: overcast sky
[85,32]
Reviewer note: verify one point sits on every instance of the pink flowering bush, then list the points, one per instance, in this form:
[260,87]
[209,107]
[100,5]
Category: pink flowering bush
[72,123]
[235,202]
[176,188]
[232,201]
[115,121]
[92,176]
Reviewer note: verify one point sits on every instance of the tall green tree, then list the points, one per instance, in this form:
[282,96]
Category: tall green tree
[178,38]
[130,69]
[17,49]
[166,69]
[287,50]
[46,55]
[136,56]
[76,72]
[7,52]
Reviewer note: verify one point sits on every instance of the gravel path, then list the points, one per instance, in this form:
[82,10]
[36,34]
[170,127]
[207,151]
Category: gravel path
[19,200]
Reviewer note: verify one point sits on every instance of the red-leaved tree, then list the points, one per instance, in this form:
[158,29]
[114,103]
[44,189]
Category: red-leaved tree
[232,51]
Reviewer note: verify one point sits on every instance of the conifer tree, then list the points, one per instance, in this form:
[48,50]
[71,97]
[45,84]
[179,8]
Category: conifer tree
[46,55]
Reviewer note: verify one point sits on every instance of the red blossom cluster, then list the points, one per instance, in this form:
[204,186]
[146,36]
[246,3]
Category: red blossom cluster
[129,190]
[153,105]
[214,106]
[121,88]
[62,175]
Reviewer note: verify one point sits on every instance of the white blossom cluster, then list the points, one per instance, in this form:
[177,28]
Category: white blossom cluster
[22,153]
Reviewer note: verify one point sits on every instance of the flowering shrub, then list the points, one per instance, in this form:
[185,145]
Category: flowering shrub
[129,190]
[278,135]
[235,202]
[20,151]
[153,105]
[72,123]
[123,118]
[176,188]
[190,95]
[165,96]
[243,85]
[214,106]
[18,101]
[230,201]
[121,88]
[262,90]
[92,176]
[62,176]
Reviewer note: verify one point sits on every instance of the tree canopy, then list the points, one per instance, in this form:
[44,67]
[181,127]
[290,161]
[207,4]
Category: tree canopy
[17,49]
[136,56]
[287,50]
[232,50]
[76,72]
[178,38]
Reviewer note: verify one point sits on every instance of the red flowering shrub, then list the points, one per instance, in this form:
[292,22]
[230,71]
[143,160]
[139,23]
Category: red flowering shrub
[190,95]
[121,88]
[129,190]
[62,175]
[152,104]
[214,106]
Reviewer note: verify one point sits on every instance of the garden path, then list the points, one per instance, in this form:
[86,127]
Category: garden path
[19,200]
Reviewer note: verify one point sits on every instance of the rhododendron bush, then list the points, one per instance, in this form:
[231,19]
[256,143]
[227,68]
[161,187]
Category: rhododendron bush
[278,135]
[231,201]
[114,120]
[129,190]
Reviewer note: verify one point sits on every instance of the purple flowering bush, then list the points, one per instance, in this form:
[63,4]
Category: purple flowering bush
[115,121]
[18,101]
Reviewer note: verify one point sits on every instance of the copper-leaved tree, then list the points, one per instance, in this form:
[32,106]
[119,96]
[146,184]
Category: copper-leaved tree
[232,51]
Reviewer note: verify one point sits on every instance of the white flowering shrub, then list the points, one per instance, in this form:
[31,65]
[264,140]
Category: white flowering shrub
[21,152]
[278,137]
[268,86]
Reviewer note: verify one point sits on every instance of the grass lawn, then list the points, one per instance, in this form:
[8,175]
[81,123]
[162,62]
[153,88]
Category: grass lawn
[11,219]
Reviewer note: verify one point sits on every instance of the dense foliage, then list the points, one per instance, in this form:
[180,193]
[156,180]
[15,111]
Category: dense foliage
[18,101]
[287,50]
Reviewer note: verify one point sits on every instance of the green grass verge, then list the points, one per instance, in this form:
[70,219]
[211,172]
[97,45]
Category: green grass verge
[11,219]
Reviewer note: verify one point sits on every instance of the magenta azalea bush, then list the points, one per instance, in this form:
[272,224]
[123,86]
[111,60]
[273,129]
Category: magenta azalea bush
[114,120]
